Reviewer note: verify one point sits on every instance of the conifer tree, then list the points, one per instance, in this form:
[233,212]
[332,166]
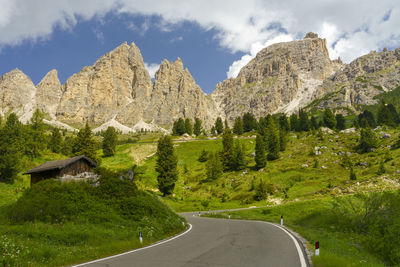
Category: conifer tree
[35,135]
[203,156]
[260,157]
[340,122]
[56,143]
[366,118]
[219,126]
[367,141]
[352,174]
[84,144]
[249,122]
[313,123]
[179,127]
[213,131]
[238,157]
[294,123]
[384,115]
[188,126]
[238,126]
[272,141]
[109,144]
[166,165]
[197,127]
[282,140]
[394,114]
[304,122]
[214,167]
[10,148]
[284,123]
[227,151]
[329,119]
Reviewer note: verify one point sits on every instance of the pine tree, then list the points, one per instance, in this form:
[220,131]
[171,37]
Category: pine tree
[66,148]
[284,123]
[394,113]
[214,167]
[304,122]
[84,144]
[219,126]
[294,123]
[366,118]
[238,157]
[55,143]
[10,148]
[197,126]
[352,174]
[249,122]
[367,141]
[260,152]
[203,156]
[213,132]
[238,126]
[329,119]
[166,165]
[314,123]
[261,191]
[227,151]
[272,141]
[188,126]
[35,138]
[282,140]
[179,127]
[381,169]
[340,122]
[384,115]
[109,144]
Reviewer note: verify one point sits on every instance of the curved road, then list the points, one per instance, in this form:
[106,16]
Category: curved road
[217,242]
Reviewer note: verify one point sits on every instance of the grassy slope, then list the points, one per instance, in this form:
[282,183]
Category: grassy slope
[286,176]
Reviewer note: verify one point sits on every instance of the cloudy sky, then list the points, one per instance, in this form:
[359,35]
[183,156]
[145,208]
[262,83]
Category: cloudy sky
[214,39]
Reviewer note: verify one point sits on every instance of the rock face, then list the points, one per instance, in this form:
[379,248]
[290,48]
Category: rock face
[360,81]
[175,94]
[116,84]
[282,77]
[17,94]
[117,89]
[48,94]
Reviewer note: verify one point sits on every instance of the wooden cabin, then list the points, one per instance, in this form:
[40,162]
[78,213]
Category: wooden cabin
[59,168]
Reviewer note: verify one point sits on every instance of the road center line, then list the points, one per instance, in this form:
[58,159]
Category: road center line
[136,250]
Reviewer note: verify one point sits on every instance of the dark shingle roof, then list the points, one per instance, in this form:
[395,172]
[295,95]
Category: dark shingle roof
[59,164]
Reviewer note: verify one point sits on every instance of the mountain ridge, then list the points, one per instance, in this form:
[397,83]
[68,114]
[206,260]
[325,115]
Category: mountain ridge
[283,77]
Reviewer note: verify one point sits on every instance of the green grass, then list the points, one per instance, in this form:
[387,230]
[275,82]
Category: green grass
[313,220]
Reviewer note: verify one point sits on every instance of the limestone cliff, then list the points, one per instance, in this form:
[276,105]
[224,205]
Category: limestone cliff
[360,81]
[175,94]
[17,94]
[48,94]
[116,84]
[282,77]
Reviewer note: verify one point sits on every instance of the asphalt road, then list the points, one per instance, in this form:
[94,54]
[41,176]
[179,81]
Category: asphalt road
[218,242]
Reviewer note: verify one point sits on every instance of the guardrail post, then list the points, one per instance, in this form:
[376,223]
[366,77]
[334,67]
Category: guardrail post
[281,219]
[317,248]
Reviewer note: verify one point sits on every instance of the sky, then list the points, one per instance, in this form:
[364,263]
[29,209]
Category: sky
[214,39]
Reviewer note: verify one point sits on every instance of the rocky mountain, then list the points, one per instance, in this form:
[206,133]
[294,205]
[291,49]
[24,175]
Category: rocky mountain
[117,89]
[281,78]
[360,81]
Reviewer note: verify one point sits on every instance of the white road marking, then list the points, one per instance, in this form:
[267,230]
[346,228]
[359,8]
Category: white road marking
[299,250]
[136,250]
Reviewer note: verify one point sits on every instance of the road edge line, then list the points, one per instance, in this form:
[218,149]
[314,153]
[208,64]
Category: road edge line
[136,250]
[303,261]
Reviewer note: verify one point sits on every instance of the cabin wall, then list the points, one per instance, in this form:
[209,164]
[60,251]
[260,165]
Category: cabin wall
[37,177]
[76,168]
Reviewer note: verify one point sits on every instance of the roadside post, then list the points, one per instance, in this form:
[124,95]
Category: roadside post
[140,237]
[317,248]
[229,216]
[281,219]
[183,222]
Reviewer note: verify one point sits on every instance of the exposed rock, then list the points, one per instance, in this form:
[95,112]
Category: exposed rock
[311,35]
[282,77]
[117,85]
[175,95]
[48,94]
[349,130]
[17,94]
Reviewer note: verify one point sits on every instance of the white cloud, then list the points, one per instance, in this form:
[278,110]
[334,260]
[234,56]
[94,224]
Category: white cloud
[152,68]
[351,27]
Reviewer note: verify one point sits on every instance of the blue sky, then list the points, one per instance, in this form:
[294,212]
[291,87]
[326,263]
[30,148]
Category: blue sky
[214,39]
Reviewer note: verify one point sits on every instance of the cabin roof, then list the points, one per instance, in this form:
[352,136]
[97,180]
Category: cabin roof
[59,164]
